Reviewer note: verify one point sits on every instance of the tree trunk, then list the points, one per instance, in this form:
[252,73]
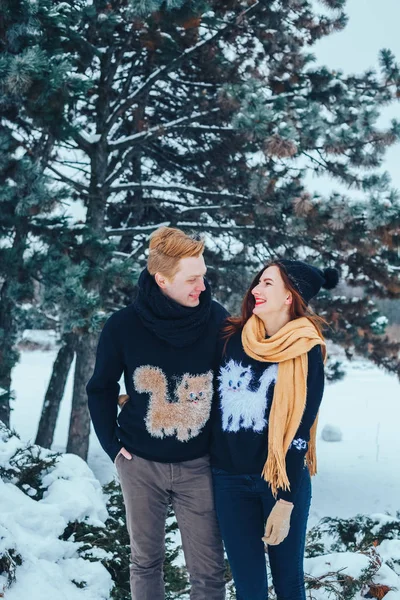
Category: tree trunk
[7,359]
[8,352]
[5,397]
[55,392]
[96,202]
[79,426]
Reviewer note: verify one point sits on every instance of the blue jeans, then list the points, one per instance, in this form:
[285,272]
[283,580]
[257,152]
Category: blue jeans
[243,503]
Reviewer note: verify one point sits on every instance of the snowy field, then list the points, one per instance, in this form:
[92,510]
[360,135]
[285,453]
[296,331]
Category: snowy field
[359,474]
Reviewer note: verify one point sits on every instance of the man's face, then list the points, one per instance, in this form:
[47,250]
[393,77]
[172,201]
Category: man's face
[188,283]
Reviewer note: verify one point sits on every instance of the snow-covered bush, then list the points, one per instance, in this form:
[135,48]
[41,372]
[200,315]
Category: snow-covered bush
[62,536]
[24,465]
[40,493]
[110,545]
[349,559]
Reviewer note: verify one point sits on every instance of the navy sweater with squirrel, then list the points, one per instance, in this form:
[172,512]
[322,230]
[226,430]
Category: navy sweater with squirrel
[240,416]
[167,354]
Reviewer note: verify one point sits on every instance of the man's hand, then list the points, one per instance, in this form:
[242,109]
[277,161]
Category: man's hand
[278,523]
[124,453]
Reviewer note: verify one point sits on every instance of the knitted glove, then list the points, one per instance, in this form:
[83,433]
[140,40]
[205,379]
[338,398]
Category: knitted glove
[278,524]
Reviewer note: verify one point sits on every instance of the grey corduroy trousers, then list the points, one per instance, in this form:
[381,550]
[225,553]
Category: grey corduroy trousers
[147,487]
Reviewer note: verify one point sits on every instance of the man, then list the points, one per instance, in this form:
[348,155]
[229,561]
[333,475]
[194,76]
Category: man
[165,344]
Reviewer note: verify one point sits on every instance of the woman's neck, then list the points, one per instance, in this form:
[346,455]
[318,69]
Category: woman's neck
[273,323]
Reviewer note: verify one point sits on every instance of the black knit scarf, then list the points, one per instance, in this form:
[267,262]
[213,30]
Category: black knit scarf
[178,325]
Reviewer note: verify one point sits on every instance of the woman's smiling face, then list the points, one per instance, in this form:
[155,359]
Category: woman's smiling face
[270,294]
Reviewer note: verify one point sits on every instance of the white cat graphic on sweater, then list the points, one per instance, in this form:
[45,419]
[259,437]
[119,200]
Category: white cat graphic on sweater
[242,407]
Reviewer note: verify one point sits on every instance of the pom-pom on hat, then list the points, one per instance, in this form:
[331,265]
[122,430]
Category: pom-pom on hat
[308,280]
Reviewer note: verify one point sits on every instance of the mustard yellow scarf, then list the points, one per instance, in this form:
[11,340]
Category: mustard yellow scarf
[288,347]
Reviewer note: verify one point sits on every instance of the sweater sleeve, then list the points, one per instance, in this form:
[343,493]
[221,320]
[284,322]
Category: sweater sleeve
[103,390]
[295,457]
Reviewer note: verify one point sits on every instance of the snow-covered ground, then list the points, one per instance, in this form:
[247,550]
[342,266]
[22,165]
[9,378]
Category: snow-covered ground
[359,474]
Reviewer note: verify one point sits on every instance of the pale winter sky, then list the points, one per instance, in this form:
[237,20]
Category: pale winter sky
[373,25]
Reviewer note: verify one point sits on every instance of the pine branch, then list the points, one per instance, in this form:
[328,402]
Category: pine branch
[83,143]
[208,128]
[155,152]
[126,142]
[140,139]
[196,84]
[74,164]
[188,224]
[161,72]
[177,188]
[138,229]
[82,189]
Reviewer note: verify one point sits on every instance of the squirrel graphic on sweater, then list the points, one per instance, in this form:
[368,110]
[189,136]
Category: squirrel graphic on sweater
[242,407]
[191,409]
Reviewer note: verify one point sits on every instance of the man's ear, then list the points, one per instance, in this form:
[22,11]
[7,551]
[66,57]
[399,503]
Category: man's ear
[160,280]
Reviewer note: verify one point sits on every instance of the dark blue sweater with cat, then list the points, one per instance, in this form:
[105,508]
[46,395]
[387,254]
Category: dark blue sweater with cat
[167,353]
[240,416]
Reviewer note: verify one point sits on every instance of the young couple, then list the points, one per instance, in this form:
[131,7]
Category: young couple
[220,417]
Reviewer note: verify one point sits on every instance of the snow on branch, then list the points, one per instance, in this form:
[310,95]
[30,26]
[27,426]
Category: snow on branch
[173,187]
[138,229]
[127,141]
[191,225]
[83,141]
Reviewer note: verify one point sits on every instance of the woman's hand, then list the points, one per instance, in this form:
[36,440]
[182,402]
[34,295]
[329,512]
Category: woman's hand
[278,523]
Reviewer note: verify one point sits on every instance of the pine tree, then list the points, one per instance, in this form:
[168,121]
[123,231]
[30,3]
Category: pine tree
[293,118]
[207,117]
[40,255]
[29,92]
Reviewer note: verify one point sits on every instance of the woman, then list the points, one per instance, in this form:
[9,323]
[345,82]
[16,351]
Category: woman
[270,383]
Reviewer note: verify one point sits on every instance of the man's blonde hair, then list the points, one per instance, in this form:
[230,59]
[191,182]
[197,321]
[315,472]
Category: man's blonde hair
[167,246]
